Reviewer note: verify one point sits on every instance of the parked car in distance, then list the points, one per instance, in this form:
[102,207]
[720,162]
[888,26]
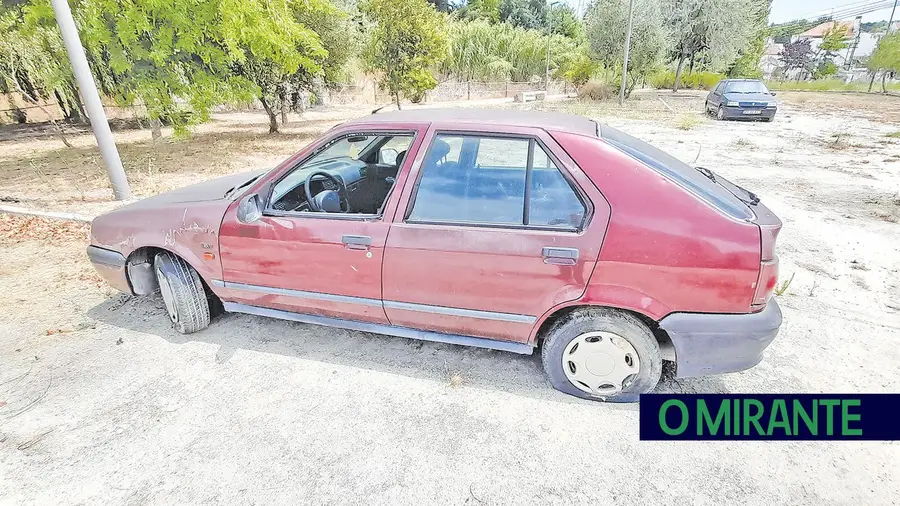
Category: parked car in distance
[507,230]
[741,99]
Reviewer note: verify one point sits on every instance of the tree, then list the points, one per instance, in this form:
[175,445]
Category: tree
[605,25]
[328,39]
[747,63]
[484,9]
[710,30]
[529,14]
[796,55]
[177,58]
[565,22]
[886,58]
[408,37]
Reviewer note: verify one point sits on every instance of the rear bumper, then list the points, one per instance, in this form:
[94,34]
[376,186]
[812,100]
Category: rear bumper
[720,343]
[111,267]
[738,113]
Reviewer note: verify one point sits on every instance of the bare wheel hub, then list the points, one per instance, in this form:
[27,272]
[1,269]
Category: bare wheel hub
[168,297]
[600,363]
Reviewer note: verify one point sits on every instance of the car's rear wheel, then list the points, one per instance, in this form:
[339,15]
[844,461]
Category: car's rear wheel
[182,292]
[720,113]
[602,354]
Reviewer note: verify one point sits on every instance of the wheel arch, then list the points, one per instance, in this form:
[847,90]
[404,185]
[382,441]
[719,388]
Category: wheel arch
[141,275]
[546,322]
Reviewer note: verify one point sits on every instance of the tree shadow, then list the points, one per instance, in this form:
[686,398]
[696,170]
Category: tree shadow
[472,367]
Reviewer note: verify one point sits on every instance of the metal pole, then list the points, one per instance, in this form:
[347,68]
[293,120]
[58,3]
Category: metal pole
[92,99]
[627,49]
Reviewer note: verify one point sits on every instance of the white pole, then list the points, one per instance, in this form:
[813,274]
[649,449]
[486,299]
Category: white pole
[627,49]
[549,36]
[92,99]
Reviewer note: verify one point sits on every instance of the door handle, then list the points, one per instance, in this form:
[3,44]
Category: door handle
[560,256]
[356,241]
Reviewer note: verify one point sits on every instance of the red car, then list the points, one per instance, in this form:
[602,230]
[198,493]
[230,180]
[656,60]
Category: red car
[507,230]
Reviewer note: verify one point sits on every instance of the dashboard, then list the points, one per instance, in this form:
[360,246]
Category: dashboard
[290,195]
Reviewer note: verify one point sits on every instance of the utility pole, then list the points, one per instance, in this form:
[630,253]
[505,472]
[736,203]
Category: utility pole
[549,36]
[886,33]
[627,49]
[92,99]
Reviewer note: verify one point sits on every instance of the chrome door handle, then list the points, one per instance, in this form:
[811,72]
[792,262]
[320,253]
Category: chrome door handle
[559,256]
[356,241]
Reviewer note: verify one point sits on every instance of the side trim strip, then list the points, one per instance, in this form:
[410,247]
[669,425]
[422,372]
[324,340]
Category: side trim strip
[407,306]
[303,294]
[468,313]
[422,335]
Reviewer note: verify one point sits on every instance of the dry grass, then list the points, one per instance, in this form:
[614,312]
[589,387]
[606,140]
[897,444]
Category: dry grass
[688,121]
[39,172]
[15,229]
[838,141]
[742,142]
[894,135]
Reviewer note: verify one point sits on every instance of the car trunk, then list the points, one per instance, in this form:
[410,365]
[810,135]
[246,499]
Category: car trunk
[731,199]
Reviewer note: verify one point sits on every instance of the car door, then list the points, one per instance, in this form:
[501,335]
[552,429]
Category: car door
[310,262]
[715,96]
[495,228]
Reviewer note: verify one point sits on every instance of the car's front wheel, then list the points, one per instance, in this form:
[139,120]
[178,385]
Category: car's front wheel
[720,113]
[602,354]
[182,292]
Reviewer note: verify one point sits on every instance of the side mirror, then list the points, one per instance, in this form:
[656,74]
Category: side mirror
[387,156]
[249,209]
[772,93]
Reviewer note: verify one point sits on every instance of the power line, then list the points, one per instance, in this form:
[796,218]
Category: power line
[837,15]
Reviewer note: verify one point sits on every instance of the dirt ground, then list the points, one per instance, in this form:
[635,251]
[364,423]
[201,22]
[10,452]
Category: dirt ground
[101,402]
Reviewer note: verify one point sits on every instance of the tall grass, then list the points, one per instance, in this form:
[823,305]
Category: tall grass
[484,52]
[689,80]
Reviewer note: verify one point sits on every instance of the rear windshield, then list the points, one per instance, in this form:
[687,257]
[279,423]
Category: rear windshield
[678,172]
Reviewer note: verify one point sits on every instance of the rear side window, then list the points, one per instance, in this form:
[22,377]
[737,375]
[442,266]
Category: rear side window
[495,181]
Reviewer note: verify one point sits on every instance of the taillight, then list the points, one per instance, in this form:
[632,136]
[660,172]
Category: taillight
[765,285]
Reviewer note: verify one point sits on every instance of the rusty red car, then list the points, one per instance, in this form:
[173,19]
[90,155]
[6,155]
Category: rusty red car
[500,229]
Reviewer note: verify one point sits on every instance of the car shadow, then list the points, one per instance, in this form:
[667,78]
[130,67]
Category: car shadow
[451,364]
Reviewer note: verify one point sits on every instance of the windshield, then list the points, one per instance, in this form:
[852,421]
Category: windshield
[746,87]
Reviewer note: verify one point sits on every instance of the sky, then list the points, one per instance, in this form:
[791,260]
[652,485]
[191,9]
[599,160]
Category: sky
[789,10]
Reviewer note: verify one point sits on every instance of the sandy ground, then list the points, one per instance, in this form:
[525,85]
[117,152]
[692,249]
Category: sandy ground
[101,402]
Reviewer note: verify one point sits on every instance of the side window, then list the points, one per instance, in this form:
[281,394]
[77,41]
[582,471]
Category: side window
[474,179]
[719,87]
[553,201]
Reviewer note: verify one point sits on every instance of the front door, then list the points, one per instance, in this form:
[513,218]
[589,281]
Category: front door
[497,230]
[324,261]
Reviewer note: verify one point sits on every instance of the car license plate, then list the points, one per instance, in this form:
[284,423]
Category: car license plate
[752,111]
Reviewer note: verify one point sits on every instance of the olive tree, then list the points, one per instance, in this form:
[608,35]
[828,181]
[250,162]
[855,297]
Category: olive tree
[713,30]
[605,25]
[886,58]
[407,39]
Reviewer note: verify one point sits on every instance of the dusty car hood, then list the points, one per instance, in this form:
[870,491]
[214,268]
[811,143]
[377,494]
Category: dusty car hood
[749,97]
[214,189]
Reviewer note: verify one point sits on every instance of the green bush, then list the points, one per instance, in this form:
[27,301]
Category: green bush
[692,80]
[596,90]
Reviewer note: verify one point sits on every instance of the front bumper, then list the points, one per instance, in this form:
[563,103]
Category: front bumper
[111,267]
[720,343]
[738,112]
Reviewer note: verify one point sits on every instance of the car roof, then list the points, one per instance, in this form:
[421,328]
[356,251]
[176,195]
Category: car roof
[540,119]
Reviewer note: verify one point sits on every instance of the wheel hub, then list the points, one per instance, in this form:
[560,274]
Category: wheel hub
[600,363]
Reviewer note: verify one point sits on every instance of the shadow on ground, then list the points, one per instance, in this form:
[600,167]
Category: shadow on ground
[488,369]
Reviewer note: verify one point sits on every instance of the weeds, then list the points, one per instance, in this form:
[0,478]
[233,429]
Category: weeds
[838,141]
[456,379]
[782,287]
[688,121]
[742,143]
[894,135]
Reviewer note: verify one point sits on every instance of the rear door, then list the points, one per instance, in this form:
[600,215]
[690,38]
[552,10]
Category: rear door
[495,228]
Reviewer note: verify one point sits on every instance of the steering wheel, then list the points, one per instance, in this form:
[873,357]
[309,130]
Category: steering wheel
[341,191]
